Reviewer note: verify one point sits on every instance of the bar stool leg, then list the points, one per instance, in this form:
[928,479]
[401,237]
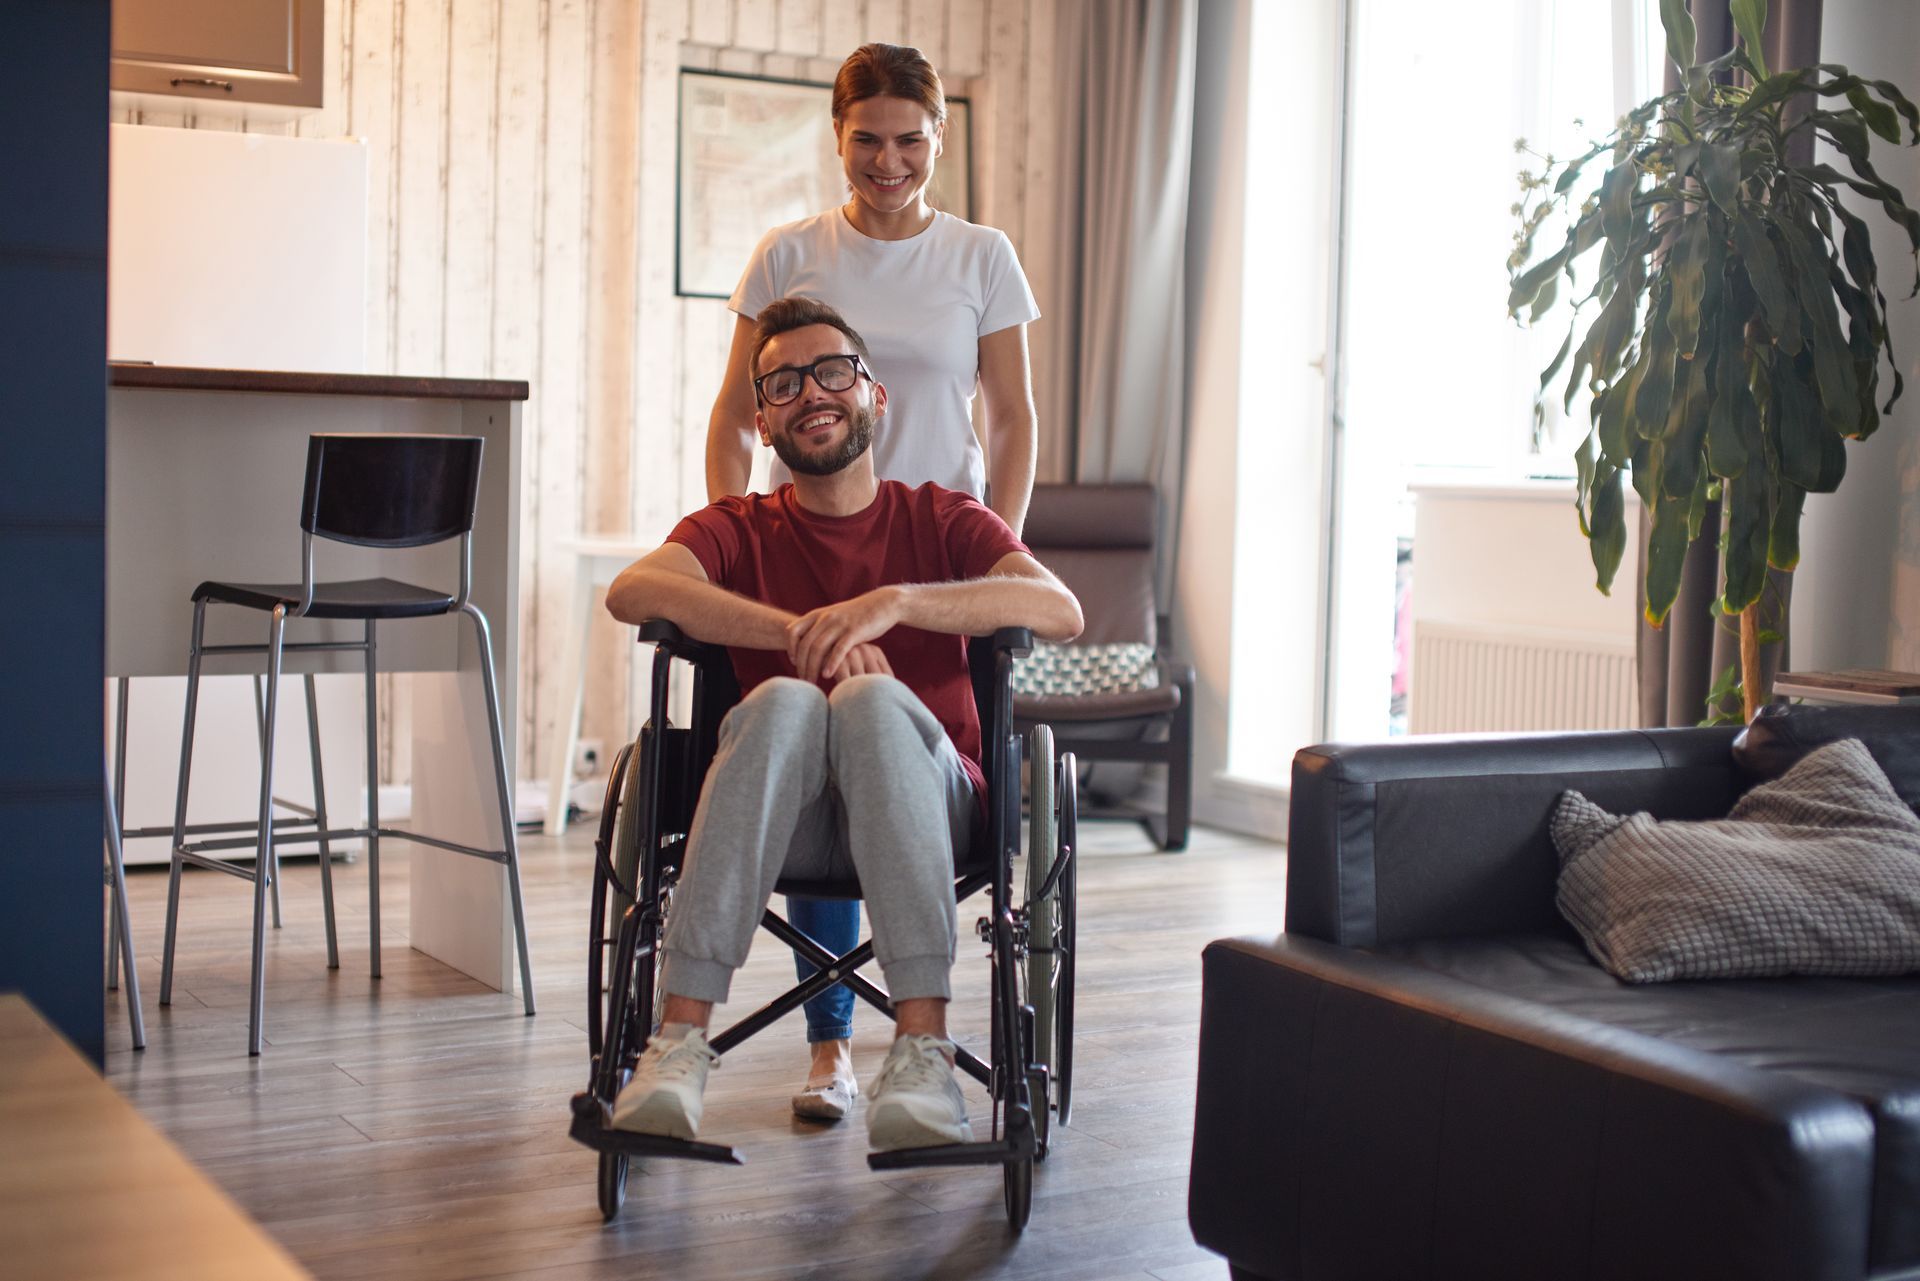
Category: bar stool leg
[264,863]
[117,781]
[373,809]
[122,926]
[180,801]
[260,720]
[320,823]
[505,792]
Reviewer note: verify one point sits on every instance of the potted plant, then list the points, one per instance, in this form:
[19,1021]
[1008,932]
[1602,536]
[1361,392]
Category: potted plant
[1741,318]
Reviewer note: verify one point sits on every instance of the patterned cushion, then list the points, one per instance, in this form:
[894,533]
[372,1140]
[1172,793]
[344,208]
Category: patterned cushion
[1817,872]
[1085,669]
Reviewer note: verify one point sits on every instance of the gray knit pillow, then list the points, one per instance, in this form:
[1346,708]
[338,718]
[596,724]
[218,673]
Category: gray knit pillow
[1817,872]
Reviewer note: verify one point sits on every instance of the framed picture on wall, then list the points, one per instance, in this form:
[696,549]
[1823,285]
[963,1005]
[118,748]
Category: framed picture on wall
[756,152]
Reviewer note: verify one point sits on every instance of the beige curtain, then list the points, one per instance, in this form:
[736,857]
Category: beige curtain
[1679,663]
[1127,83]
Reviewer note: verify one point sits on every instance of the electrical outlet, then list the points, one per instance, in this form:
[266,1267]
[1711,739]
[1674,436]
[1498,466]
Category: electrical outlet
[586,758]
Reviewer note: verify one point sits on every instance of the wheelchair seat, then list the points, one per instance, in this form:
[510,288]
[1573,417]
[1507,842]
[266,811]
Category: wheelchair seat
[651,797]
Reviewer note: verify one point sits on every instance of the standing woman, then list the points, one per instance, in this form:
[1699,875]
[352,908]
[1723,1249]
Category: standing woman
[944,307]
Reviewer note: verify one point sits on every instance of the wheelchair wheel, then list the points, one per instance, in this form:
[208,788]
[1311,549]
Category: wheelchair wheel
[1050,921]
[603,921]
[613,1184]
[1019,1193]
[1066,942]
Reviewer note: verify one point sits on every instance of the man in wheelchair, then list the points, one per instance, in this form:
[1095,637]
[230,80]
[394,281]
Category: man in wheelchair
[845,603]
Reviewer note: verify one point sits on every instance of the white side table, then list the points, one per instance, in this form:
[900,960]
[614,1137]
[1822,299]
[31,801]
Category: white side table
[597,561]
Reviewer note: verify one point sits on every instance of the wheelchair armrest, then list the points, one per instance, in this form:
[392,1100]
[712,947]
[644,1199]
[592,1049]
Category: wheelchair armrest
[668,636]
[1017,641]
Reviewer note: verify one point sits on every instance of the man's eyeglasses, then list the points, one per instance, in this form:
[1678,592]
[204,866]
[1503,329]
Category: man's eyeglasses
[829,373]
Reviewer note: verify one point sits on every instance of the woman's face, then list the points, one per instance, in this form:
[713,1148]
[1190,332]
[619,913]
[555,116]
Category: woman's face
[888,147]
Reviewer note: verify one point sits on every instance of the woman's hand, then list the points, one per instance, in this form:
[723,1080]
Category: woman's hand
[818,642]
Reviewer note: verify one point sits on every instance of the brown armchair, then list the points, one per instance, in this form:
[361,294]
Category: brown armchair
[1100,540]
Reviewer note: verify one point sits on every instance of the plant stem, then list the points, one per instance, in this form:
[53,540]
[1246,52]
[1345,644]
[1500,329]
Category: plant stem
[1751,694]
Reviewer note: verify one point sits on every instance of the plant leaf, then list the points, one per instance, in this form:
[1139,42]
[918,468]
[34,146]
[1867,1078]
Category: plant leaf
[1607,539]
[1614,425]
[1750,20]
[1730,403]
[1775,89]
[1720,171]
[1783,536]
[1878,115]
[1666,556]
[1811,455]
[1654,402]
[1583,465]
[1762,266]
[1683,475]
[1616,206]
[1680,33]
[1527,285]
[1687,270]
[1907,110]
[1559,359]
[1848,131]
[1749,505]
[1832,358]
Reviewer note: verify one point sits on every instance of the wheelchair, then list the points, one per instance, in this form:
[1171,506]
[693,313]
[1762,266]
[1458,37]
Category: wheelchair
[1029,929]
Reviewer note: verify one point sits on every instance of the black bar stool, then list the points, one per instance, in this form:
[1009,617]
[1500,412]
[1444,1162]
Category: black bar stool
[370,491]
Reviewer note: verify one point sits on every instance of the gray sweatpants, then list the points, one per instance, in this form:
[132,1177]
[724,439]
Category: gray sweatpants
[860,782]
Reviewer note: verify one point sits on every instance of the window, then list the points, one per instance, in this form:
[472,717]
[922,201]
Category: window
[1419,130]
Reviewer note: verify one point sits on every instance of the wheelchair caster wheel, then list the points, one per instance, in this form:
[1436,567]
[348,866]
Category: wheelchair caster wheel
[1019,1181]
[613,1184]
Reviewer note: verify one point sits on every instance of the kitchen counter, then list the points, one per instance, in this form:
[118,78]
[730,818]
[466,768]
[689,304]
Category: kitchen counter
[204,478]
[189,378]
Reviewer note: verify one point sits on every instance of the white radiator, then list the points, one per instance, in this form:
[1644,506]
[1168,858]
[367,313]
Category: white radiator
[1473,677]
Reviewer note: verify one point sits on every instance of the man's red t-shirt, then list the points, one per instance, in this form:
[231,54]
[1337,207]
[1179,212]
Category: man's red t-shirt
[771,549]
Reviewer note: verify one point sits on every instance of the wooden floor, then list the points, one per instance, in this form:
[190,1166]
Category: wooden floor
[415,1127]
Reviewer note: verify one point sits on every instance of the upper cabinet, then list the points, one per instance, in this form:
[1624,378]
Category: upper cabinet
[243,55]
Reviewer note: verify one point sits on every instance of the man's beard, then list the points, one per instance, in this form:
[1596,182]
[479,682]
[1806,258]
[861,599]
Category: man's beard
[857,441]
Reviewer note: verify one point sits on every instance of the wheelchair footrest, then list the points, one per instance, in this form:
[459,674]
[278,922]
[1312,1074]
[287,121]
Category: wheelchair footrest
[991,1152]
[593,1127]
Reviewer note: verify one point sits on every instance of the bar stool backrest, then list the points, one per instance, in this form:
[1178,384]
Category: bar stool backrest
[390,490]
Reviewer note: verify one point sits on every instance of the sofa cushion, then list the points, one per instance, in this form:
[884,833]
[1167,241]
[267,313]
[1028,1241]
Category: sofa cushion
[1859,1036]
[1817,872]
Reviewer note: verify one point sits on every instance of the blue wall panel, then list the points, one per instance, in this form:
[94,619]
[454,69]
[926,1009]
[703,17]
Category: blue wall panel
[53,342]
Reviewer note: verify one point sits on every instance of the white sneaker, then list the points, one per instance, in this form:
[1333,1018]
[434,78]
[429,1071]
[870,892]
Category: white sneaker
[827,1098]
[916,1101]
[664,1096]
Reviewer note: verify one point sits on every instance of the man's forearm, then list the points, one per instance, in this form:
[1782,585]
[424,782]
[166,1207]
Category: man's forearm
[981,605]
[701,610]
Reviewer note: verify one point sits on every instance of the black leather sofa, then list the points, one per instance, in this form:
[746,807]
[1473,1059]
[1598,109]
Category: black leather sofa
[1426,1076]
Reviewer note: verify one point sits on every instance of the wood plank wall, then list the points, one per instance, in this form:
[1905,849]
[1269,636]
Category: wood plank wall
[520,225]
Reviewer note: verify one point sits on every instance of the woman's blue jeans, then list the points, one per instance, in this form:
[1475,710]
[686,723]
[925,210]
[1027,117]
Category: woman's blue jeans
[835,925]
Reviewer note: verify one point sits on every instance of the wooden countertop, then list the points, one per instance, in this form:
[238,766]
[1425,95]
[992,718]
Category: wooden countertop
[89,1189]
[187,378]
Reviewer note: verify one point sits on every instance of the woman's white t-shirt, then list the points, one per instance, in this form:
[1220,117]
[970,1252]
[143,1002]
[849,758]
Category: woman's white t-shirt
[922,304]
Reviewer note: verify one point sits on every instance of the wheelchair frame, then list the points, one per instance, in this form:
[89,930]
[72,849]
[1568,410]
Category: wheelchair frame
[651,795]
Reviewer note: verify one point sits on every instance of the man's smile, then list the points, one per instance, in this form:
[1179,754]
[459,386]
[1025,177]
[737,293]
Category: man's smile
[818,421]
